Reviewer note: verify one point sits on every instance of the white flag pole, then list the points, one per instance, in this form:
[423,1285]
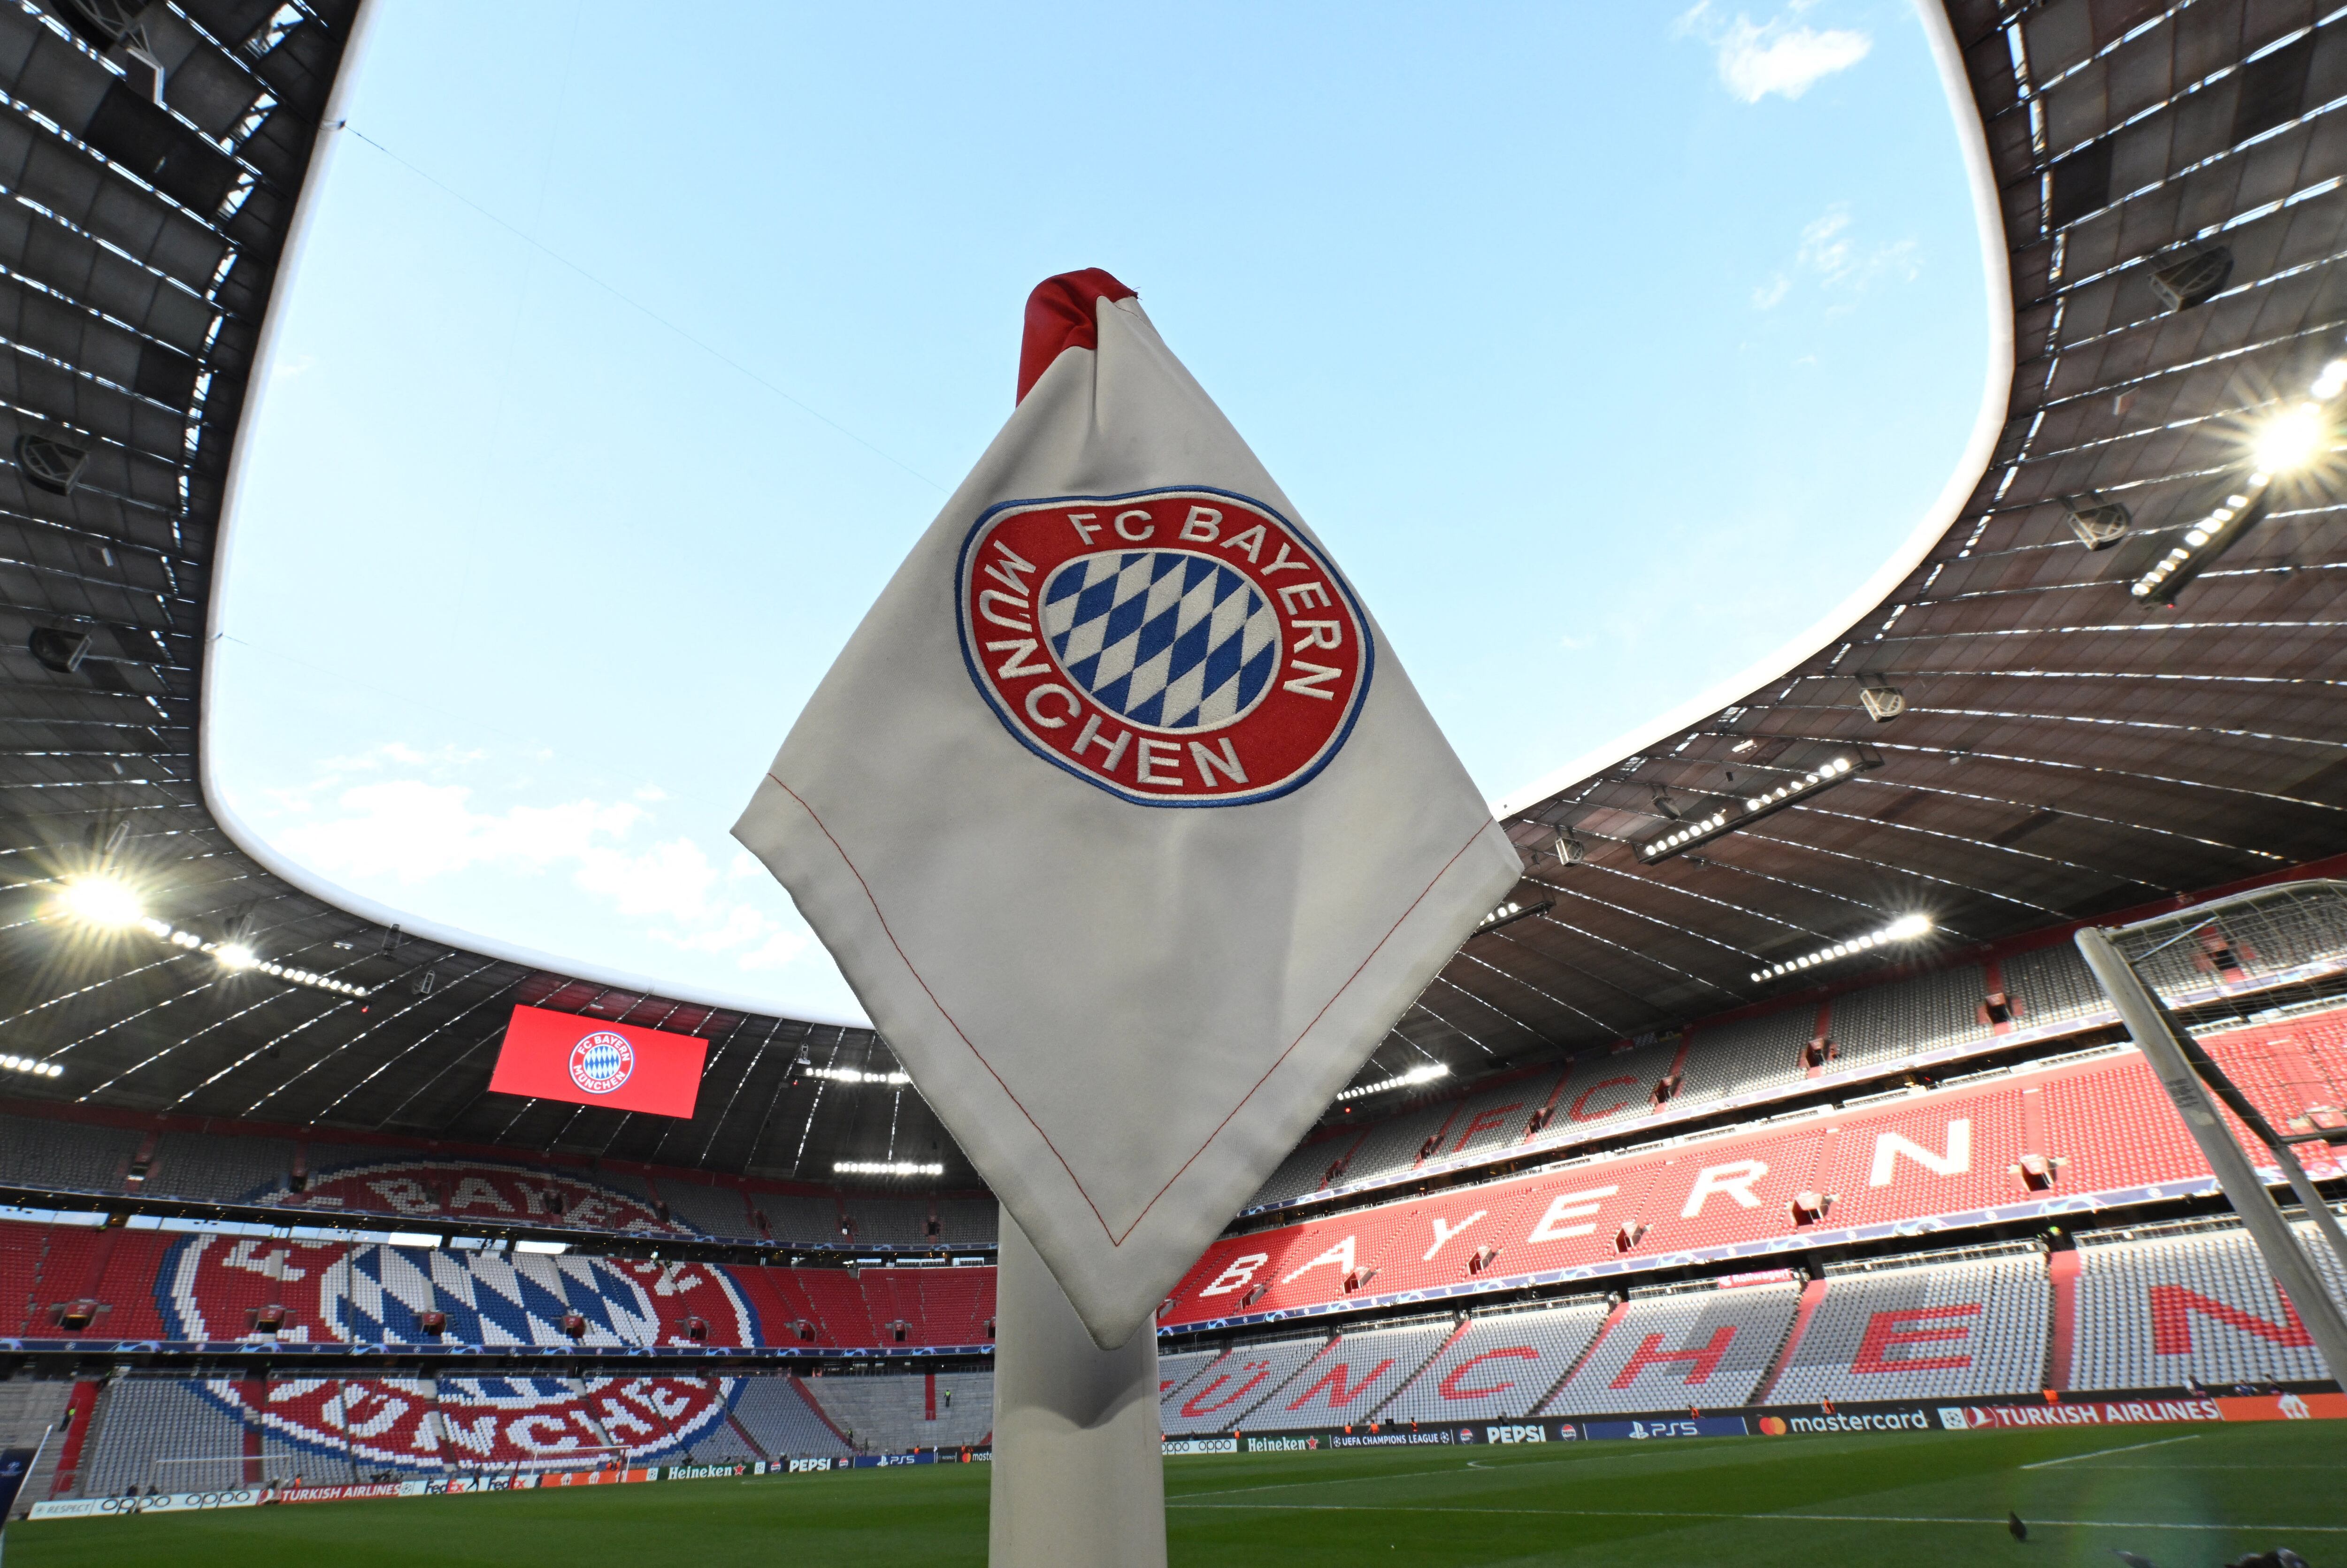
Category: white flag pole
[1079,1469]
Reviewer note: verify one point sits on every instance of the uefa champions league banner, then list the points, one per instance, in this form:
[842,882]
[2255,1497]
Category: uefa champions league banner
[1121,816]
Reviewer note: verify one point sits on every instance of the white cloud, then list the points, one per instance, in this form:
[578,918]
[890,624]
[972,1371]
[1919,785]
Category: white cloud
[357,822]
[1828,251]
[1832,254]
[1776,57]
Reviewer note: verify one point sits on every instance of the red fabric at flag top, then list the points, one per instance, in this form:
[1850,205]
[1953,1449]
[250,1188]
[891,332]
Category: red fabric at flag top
[551,1055]
[1060,316]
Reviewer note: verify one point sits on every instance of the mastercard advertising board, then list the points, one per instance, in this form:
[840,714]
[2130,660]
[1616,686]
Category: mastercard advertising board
[551,1055]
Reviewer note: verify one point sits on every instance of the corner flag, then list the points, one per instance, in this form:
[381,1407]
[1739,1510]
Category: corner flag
[1121,816]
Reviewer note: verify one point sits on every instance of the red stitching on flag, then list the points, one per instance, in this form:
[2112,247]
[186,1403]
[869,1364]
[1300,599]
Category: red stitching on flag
[1113,1238]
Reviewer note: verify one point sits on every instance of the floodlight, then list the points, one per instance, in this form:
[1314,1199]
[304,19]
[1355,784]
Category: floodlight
[1424,1073]
[235,956]
[2291,439]
[1906,928]
[1741,814]
[101,901]
[2206,540]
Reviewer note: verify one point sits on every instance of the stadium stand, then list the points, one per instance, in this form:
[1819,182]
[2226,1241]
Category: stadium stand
[1501,1366]
[2040,986]
[893,1413]
[1680,1348]
[1220,1395]
[1922,1330]
[2198,1305]
[1177,1369]
[968,1222]
[141,1419]
[711,1210]
[782,1419]
[2050,986]
[1740,1056]
[1904,1156]
[216,1287]
[224,1169]
[1883,1023]
[61,1156]
[1353,1377]
[887,1219]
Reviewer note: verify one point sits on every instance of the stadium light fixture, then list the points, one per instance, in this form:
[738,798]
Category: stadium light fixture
[2293,439]
[1906,928]
[2099,523]
[1425,1074]
[101,901]
[851,1075]
[1509,912]
[2205,540]
[235,957]
[1737,814]
[28,1065]
[1881,701]
[885,1168]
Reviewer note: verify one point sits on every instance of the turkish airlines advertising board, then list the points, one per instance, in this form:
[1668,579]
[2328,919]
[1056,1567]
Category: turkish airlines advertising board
[551,1055]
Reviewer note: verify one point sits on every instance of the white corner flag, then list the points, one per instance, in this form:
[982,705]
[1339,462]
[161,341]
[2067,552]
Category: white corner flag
[1121,816]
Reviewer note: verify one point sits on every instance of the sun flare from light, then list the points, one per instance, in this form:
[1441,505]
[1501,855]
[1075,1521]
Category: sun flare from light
[101,901]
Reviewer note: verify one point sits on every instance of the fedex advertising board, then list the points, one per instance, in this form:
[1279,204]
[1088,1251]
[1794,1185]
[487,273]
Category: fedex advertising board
[551,1055]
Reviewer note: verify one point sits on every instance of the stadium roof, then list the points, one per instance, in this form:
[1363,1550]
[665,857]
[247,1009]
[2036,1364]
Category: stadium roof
[2066,747]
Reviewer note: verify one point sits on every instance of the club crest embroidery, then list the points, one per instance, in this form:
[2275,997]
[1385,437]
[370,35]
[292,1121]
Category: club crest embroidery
[1176,648]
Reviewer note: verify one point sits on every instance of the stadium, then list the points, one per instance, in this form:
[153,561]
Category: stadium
[1768,1176]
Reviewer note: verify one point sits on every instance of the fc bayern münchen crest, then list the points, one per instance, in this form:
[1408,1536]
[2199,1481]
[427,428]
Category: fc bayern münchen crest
[210,1288]
[601,1061]
[1185,647]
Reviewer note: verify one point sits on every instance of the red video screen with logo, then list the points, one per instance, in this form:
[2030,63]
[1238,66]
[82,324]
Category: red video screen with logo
[551,1055]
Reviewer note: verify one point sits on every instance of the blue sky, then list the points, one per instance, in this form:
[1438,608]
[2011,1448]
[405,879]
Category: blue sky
[1607,346]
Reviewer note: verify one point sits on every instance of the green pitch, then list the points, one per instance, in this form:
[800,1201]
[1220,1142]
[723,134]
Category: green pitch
[2181,1496]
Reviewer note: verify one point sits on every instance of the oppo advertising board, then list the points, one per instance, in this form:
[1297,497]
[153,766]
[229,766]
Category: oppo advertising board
[551,1055]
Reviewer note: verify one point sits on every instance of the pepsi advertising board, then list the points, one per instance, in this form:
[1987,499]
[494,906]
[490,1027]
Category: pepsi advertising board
[551,1055]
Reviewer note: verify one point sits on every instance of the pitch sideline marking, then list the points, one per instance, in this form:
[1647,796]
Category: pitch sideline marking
[1769,1518]
[2131,1448]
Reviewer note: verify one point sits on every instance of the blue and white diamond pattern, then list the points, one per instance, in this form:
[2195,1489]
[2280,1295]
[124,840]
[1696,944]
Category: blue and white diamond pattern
[376,1296]
[1163,638]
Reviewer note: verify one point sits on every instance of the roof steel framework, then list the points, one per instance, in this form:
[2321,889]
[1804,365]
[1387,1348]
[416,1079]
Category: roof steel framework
[2064,749]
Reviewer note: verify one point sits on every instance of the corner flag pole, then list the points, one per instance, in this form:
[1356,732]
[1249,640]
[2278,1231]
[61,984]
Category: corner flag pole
[1079,1466]
[2157,1035]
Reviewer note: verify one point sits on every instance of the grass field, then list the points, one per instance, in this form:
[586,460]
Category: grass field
[2181,1496]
